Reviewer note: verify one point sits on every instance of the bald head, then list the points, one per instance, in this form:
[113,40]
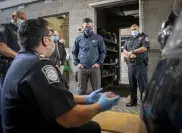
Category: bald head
[19,15]
[56,33]
[134,27]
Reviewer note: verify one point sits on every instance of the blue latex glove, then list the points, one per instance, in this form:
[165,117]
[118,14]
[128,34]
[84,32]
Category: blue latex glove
[107,103]
[93,97]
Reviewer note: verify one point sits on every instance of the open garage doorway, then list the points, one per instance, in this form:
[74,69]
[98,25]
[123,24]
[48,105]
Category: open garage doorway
[113,23]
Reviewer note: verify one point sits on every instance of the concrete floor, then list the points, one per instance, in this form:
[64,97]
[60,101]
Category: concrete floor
[120,90]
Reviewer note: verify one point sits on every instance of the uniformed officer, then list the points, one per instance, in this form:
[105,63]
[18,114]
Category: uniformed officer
[9,41]
[34,96]
[89,52]
[136,55]
[55,57]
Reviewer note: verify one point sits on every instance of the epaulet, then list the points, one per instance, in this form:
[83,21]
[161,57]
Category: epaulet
[43,57]
[144,35]
[5,24]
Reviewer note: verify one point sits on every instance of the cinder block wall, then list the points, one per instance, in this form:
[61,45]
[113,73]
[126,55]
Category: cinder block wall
[155,11]
[77,9]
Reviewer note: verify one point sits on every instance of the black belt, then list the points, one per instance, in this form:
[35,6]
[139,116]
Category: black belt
[5,58]
[135,61]
[132,61]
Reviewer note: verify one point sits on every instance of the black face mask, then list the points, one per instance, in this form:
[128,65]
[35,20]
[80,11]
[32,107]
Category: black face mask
[88,32]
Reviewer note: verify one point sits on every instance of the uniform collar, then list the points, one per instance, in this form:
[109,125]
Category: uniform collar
[14,24]
[23,50]
[139,35]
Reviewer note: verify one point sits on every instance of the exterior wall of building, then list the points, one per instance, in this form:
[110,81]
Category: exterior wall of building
[77,9]
[154,12]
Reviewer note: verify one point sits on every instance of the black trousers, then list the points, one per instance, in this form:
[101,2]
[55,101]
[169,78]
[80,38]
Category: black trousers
[90,127]
[137,75]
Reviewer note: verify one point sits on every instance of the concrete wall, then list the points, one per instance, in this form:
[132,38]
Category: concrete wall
[77,9]
[155,11]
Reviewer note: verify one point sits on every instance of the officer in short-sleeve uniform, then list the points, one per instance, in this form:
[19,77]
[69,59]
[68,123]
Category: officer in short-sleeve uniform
[137,67]
[40,84]
[8,36]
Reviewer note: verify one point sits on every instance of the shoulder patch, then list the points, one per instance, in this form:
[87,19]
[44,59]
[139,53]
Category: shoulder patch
[51,74]
[146,39]
[2,28]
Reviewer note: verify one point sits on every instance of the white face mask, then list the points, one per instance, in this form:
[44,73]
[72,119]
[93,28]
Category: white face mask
[51,48]
[18,22]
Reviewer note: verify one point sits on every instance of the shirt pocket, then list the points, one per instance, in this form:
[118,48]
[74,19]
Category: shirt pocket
[139,44]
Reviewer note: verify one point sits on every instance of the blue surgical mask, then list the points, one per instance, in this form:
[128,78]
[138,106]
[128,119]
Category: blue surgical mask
[55,38]
[135,33]
[88,32]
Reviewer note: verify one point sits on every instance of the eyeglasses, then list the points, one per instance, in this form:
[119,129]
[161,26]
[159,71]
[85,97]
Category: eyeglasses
[49,37]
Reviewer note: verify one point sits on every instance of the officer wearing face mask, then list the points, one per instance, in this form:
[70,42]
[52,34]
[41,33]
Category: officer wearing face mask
[60,47]
[34,94]
[55,57]
[89,52]
[9,42]
[136,56]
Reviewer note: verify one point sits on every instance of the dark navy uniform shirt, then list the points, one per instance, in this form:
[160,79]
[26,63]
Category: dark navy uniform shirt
[34,95]
[8,35]
[88,51]
[135,43]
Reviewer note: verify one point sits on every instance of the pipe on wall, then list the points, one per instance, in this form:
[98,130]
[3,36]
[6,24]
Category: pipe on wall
[141,16]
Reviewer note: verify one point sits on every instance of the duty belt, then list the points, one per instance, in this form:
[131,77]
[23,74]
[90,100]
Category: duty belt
[137,61]
[5,63]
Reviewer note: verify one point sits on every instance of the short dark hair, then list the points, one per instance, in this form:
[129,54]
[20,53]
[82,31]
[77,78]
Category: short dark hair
[87,20]
[51,30]
[31,32]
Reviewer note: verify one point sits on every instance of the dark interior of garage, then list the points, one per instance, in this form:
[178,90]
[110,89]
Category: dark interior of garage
[113,23]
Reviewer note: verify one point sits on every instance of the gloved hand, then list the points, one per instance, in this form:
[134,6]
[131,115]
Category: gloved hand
[93,97]
[107,103]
